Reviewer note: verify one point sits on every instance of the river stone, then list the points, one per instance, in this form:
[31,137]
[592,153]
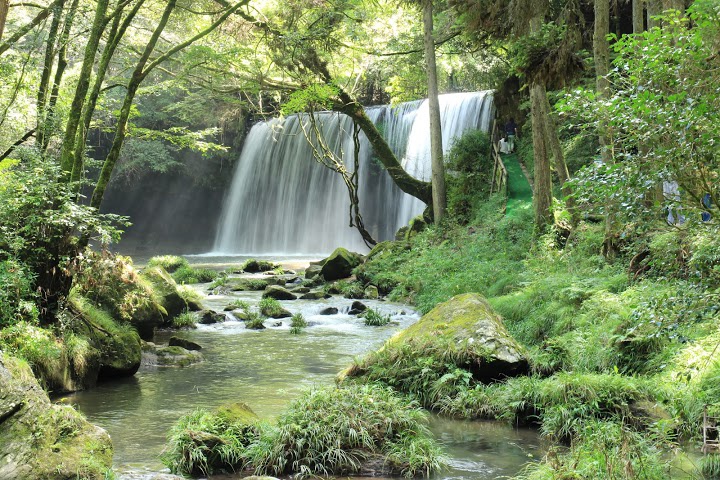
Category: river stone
[313,271]
[329,311]
[174,356]
[167,291]
[371,292]
[314,296]
[275,281]
[359,306]
[278,293]
[340,264]
[41,440]
[301,290]
[184,343]
[281,314]
[209,317]
[466,324]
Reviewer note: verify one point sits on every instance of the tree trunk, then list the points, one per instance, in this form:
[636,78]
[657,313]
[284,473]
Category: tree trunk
[439,196]
[406,182]
[4,7]
[637,16]
[601,50]
[99,23]
[542,191]
[141,71]
[653,9]
[551,133]
[51,45]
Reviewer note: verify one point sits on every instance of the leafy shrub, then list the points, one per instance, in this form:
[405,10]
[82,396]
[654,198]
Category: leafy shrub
[39,347]
[185,320]
[17,299]
[270,307]
[375,319]
[170,263]
[469,167]
[334,430]
[204,442]
[297,323]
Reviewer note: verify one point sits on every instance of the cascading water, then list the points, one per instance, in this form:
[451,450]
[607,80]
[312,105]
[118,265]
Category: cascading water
[281,201]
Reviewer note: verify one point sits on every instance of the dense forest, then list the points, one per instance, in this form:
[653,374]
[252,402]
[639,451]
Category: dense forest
[569,285]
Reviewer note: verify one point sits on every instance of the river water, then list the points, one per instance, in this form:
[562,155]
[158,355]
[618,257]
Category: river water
[267,369]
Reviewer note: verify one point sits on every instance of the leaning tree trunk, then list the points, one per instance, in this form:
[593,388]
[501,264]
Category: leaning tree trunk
[553,140]
[637,16]
[4,7]
[439,196]
[67,156]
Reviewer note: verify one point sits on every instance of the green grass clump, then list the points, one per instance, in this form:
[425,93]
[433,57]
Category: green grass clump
[374,319]
[170,263]
[188,274]
[185,320]
[254,266]
[205,442]
[334,430]
[710,466]
[270,307]
[254,321]
[297,323]
[239,305]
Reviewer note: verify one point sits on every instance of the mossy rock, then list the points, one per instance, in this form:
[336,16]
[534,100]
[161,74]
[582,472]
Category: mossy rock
[317,295]
[40,440]
[416,225]
[184,343]
[174,356]
[210,317]
[166,290]
[256,266]
[381,249]
[118,345]
[313,271]
[237,413]
[278,293]
[340,264]
[371,292]
[466,329]
[249,285]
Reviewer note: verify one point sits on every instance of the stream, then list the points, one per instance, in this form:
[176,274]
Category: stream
[267,369]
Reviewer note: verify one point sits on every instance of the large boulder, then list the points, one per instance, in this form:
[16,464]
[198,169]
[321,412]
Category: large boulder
[313,271]
[467,329]
[278,293]
[166,290]
[340,264]
[40,440]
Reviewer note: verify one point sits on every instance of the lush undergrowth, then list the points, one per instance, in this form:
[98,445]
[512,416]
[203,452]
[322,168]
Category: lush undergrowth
[326,431]
[621,350]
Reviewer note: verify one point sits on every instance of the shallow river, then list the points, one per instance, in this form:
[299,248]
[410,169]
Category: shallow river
[267,369]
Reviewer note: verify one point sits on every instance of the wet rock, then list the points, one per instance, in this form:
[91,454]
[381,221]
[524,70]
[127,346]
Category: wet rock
[282,313]
[340,264]
[41,440]
[371,292]
[167,290]
[314,296]
[359,306]
[467,326]
[313,271]
[301,290]
[278,293]
[173,356]
[249,285]
[277,324]
[184,343]
[241,315]
[194,306]
[275,281]
[209,317]
[400,234]
[329,311]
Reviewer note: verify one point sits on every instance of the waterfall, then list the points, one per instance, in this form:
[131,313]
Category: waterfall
[281,201]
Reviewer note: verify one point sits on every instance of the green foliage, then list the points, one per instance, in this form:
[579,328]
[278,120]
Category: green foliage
[188,274]
[170,263]
[298,322]
[333,430]
[270,307]
[113,282]
[254,321]
[469,167]
[203,443]
[375,319]
[39,347]
[710,466]
[240,305]
[17,299]
[314,97]
[185,320]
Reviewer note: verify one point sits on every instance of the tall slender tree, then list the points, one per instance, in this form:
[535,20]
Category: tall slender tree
[439,195]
